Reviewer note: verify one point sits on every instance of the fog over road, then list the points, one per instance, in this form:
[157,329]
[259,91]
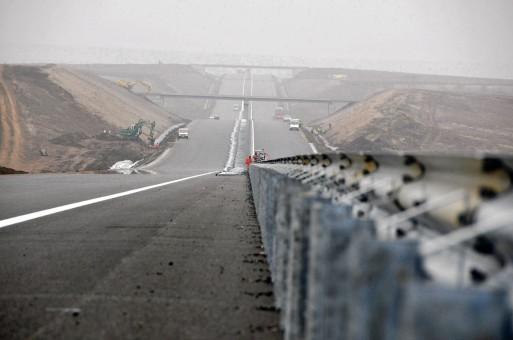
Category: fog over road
[180,260]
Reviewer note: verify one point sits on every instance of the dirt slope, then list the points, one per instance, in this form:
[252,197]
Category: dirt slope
[426,121]
[165,78]
[10,130]
[358,85]
[65,112]
[113,104]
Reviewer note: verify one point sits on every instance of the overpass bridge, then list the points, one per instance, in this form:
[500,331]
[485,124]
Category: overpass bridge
[250,66]
[245,98]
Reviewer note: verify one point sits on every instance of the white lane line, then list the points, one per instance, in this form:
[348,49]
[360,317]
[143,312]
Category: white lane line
[251,117]
[311,145]
[51,211]
[252,128]
[230,163]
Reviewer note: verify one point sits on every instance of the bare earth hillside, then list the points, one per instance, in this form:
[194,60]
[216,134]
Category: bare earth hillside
[64,113]
[357,85]
[426,121]
[164,78]
[115,105]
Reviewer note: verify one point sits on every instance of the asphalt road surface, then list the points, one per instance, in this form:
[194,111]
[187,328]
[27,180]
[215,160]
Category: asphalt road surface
[179,261]
[208,144]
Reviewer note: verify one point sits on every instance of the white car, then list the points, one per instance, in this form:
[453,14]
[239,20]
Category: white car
[297,120]
[287,118]
[216,117]
[183,133]
[236,107]
[294,125]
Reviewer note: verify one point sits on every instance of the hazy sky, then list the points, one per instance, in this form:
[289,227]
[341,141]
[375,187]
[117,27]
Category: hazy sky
[441,31]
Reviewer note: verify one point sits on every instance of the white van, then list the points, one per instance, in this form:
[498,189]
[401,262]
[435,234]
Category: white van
[183,133]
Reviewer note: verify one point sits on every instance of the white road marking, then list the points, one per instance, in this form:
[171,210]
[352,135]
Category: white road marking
[64,310]
[251,117]
[230,163]
[312,146]
[51,211]
[252,128]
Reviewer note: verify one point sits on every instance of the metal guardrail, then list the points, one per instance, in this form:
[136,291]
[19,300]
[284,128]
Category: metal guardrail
[388,246]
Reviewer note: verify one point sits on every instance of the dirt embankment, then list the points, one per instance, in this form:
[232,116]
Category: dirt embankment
[425,121]
[54,119]
[10,129]
[358,85]
[164,78]
[113,104]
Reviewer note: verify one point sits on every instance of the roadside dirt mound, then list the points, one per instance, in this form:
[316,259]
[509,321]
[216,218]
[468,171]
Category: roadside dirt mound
[9,171]
[358,85]
[11,140]
[425,121]
[51,118]
[113,104]
[164,78]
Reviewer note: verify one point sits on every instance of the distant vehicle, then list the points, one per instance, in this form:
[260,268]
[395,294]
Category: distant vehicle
[294,125]
[279,112]
[296,120]
[183,133]
[339,76]
[216,117]
[236,107]
[260,156]
[287,118]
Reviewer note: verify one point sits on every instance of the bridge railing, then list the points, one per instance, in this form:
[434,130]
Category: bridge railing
[388,246]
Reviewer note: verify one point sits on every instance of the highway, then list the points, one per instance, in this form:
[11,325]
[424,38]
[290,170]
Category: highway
[179,260]
[270,134]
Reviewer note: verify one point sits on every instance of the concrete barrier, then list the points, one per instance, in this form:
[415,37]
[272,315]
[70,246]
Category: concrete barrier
[334,279]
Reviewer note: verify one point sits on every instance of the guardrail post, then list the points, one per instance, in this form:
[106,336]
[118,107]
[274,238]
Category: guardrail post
[379,271]
[432,311]
[332,231]
[290,189]
[295,306]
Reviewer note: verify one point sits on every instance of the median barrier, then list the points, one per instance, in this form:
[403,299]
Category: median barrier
[334,278]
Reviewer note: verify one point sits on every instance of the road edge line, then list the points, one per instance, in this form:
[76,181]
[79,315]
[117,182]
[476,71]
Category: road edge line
[46,212]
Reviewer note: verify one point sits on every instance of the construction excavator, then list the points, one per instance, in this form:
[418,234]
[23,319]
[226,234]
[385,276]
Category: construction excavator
[130,84]
[135,130]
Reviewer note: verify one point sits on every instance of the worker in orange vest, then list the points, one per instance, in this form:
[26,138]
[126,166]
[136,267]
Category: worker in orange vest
[248,161]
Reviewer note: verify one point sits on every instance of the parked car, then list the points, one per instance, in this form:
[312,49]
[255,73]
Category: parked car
[287,118]
[183,133]
[216,117]
[236,107]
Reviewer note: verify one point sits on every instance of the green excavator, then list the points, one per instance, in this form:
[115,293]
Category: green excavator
[135,130]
